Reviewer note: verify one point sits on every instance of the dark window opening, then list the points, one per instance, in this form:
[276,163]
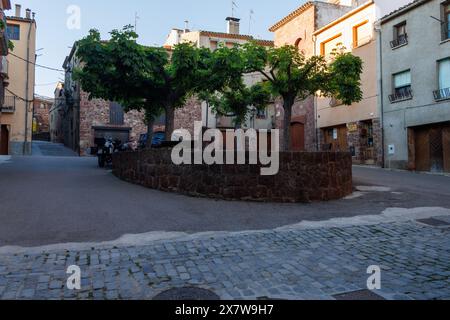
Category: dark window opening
[116,114]
[446,21]
[400,35]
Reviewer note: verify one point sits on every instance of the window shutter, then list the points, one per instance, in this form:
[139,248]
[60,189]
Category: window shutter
[402,79]
[444,74]
[116,114]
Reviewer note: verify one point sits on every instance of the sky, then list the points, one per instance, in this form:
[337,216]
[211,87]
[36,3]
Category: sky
[156,19]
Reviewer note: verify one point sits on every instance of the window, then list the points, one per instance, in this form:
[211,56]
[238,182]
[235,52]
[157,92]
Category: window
[400,35]
[231,45]
[330,46]
[214,45]
[116,114]
[446,21]
[261,114]
[402,86]
[13,31]
[444,80]
[362,34]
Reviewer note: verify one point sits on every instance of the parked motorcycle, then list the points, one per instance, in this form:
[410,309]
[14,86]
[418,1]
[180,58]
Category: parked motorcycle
[105,153]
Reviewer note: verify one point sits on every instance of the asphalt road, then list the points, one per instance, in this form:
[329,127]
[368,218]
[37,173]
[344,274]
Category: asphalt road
[50,200]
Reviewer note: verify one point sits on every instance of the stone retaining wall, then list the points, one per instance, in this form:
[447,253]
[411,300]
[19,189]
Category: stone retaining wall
[303,177]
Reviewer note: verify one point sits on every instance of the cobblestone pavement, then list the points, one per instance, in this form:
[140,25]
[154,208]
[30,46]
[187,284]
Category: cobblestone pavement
[283,263]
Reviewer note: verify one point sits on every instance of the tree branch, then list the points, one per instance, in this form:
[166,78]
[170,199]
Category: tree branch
[267,76]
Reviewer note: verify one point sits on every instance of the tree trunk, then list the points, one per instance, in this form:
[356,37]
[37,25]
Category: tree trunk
[150,123]
[287,105]
[170,122]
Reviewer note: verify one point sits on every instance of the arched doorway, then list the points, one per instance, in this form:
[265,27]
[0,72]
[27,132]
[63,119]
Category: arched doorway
[297,136]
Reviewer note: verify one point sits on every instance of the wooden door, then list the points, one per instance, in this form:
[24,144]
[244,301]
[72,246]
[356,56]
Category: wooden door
[446,147]
[422,142]
[336,138]
[297,136]
[411,149]
[436,149]
[343,139]
[4,143]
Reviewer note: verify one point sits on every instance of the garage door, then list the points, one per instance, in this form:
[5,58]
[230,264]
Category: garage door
[446,148]
[432,148]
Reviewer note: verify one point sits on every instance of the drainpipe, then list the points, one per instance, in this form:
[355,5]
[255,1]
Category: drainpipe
[316,112]
[27,88]
[381,92]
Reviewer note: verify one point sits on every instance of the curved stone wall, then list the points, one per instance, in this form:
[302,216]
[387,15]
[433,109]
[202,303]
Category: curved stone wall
[303,177]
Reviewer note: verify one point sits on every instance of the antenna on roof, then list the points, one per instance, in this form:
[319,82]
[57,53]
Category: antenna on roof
[136,18]
[233,7]
[250,21]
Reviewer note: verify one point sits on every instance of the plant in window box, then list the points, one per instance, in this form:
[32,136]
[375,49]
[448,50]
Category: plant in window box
[3,29]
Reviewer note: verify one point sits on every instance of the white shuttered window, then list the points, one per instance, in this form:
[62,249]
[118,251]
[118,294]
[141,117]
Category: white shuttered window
[444,74]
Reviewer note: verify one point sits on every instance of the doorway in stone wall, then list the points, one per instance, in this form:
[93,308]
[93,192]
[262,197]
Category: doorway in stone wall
[367,143]
[297,136]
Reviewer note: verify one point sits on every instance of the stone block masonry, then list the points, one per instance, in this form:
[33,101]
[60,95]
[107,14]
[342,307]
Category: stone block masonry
[303,177]
[96,112]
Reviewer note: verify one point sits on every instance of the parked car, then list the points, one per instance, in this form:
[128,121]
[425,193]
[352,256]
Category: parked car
[157,140]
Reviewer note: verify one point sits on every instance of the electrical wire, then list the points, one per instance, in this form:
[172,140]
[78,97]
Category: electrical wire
[35,64]
[18,97]
[45,84]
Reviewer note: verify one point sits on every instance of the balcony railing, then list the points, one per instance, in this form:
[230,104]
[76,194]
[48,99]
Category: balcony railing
[9,106]
[442,94]
[400,41]
[401,95]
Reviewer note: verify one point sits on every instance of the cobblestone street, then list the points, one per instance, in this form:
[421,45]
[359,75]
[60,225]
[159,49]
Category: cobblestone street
[135,243]
[292,263]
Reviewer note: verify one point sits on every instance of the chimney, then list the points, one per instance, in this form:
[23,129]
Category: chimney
[18,9]
[28,14]
[233,25]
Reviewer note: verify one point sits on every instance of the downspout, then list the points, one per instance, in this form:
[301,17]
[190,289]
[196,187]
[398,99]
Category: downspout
[316,112]
[27,88]
[381,92]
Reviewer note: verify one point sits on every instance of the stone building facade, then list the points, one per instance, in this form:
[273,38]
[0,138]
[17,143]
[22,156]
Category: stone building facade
[41,117]
[85,122]
[56,114]
[97,121]
[186,116]
[297,29]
